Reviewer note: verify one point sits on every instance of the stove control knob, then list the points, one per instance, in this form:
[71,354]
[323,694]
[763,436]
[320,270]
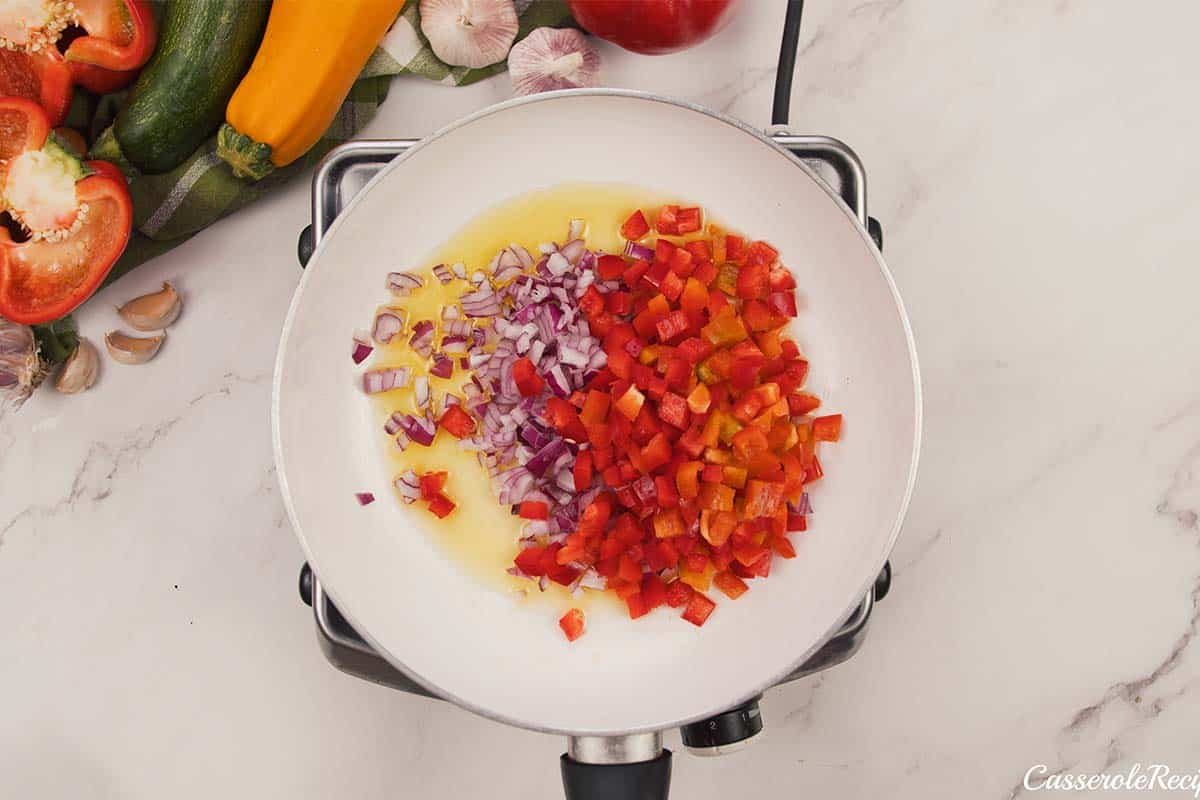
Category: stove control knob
[726,732]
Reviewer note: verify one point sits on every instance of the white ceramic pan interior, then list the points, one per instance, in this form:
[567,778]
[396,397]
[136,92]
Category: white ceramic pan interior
[471,644]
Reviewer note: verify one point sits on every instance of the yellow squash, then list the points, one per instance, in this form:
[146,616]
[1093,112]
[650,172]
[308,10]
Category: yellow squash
[310,56]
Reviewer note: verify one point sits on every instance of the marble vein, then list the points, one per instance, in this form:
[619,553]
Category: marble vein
[1181,504]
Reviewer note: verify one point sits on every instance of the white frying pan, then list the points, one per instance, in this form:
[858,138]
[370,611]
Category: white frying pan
[470,644]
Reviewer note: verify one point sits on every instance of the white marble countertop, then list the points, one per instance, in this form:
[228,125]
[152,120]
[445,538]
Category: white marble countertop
[1034,167]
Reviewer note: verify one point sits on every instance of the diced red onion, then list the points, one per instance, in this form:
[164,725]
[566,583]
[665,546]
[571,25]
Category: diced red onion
[803,506]
[459,270]
[557,264]
[575,229]
[402,440]
[389,323]
[450,312]
[422,338]
[384,380]
[408,485]
[362,348]
[402,284]
[420,431]
[364,498]
[639,251]
[573,250]
[421,391]
[392,426]
[443,367]
[443,273]
[546,248]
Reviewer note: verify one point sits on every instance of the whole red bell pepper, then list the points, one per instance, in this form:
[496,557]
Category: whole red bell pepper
[43,77]
[118,38]
[74,217]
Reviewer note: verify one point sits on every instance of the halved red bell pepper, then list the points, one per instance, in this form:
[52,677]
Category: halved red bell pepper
[42,77]
[120,38]
[78,216]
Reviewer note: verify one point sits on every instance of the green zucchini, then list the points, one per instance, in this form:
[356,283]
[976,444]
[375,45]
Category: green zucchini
[204,49]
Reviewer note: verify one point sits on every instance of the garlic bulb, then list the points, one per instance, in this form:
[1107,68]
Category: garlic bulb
[552,58]
[132,349]
[154,311]
[79,371]
[21,368]
[469,33]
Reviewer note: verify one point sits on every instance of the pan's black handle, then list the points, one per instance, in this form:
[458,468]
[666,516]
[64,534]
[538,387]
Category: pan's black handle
[642,780]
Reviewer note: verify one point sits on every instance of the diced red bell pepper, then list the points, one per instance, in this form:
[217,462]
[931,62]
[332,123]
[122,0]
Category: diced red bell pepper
[716,497]
[660,554]
[634,272]
[581,473]
[793,377]
[618,303]
[635,227]
[457,422]
[533,509]
[529,561]
[525,375]
[678,594]
[671,286]
[752,281]
[725,328]
[44,279]
[636,604]
[681,264]
[763,498]
[610,267]
[731,585]
[596,514]
[671,325]
[563,417]
[431,484]
[802,403]
[663,251]
[705,272]
[664,490]
[749,442]
[629,402]
[592,302]
[687,220]
[759,316]
[796,522]
[668,524]
[654,591]
[668,220]
[699,250]
[441,506]
[780,279]
[783,546]
[828,428]
[693,349]
[783,303]
[699,608]
[595,407]
[656,453]
[572,624]
[673,410]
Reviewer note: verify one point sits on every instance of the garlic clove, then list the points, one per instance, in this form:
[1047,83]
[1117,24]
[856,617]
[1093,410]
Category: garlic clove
[132,349]
[552,58]
[79,371]
[154,311]
[21,367]
[469,33]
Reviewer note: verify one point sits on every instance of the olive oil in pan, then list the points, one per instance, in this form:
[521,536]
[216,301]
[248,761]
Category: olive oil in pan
[481,535]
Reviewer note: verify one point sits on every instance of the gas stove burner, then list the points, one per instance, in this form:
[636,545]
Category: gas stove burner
[342,175]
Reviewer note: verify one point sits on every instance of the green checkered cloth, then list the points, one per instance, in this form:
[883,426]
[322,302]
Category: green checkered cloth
[169,208]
